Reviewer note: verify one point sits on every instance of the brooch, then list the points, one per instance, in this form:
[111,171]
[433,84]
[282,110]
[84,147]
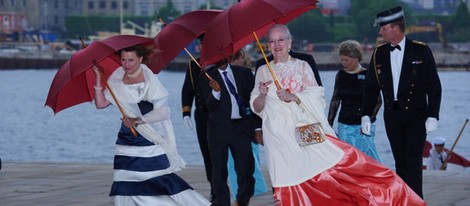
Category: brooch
[417,62]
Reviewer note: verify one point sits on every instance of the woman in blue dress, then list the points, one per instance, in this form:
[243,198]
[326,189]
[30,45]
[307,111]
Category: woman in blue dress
[144,165]
[349,86]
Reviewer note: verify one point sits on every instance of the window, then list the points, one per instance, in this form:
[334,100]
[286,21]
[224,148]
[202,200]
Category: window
[13,2]
[91,5]
[113,5]
[102,5]
[56,19]
[125,5]
[56,4]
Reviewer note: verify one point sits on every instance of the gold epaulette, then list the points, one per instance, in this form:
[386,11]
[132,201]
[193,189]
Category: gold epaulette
[381,44]
[419,42]
[186,109]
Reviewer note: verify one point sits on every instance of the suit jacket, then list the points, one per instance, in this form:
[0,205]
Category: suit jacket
[220,110]
[419,88]
[191,89]
[302,56]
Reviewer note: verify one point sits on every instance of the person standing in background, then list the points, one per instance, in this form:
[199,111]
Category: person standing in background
[191,93]
[348,90]
[405,72]
[437,154]
[239,59]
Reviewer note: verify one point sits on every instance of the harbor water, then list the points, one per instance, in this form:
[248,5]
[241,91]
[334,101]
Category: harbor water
[31,132]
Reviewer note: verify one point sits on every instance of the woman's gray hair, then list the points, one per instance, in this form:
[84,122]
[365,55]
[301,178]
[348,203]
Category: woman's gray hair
[283,27]
[351,48]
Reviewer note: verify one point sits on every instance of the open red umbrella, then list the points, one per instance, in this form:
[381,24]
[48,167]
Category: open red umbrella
[175,36]
[235,27]
[73,82]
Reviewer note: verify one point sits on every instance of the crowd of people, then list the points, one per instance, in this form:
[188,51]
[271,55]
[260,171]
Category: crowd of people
[280,105]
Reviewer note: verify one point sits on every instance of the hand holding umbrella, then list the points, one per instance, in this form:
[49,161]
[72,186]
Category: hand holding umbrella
[98,90]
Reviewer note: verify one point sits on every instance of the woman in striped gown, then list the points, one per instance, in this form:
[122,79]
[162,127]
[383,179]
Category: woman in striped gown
[144,165]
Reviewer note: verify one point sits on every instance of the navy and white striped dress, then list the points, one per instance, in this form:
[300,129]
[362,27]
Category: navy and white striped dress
[142,174]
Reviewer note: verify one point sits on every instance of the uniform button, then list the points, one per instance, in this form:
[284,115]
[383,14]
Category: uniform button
[412,85]
[408,99]
[406,108]
[411,92]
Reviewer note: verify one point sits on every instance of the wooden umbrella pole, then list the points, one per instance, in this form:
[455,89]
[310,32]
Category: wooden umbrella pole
[112,94]
[278,86]
[444,164]
[199,65]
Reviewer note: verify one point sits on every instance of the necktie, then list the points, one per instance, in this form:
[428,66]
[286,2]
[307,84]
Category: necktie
[395,47]
[244,110]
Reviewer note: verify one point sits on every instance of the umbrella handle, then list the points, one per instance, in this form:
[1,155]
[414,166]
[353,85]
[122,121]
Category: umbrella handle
[114,97]
[444,164]
[276,82]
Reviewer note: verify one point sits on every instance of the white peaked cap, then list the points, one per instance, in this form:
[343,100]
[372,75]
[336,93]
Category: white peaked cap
[439,140]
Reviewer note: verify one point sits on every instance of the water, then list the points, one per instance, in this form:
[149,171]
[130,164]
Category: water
[30,132]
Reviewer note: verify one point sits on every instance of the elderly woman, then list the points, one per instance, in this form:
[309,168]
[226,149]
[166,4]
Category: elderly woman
[349,87]
[329,172]
[144,165]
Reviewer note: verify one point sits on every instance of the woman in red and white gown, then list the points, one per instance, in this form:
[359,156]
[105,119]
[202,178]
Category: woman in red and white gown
[327,173]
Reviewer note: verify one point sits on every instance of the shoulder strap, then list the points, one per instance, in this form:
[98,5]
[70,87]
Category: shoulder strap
[375,65]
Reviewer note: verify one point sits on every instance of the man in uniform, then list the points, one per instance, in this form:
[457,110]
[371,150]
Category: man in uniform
[405,72]
[190,92]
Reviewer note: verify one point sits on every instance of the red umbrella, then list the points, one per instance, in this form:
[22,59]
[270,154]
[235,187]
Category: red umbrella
[238,25]
[73,83]
[175,36]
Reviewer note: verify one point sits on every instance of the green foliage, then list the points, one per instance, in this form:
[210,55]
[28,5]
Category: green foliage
[310,26]
[363,13]
[88,25]
[167,12]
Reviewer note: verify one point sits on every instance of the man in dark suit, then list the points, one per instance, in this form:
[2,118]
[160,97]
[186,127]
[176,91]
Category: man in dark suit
[191,92]
[306,57]
[405,72]
[230,127]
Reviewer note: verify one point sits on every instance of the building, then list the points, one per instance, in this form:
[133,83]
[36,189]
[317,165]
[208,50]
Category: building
[50,15]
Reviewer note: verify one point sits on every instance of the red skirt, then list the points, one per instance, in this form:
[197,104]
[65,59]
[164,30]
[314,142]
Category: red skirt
[357,179]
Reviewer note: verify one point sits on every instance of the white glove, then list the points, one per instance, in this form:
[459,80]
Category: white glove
[365,125]
[431,124]
[187,122]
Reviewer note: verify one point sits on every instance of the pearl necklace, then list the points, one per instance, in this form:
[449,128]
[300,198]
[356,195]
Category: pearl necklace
[135,74]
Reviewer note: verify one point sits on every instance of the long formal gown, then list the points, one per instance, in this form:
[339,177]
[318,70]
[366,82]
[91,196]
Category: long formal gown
[328,173]
[145,165]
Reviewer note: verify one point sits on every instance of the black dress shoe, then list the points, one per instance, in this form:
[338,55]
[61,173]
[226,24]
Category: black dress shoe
[238,203]
[213,200]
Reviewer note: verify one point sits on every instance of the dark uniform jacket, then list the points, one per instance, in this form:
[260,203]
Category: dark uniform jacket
[191,90]
[419,86]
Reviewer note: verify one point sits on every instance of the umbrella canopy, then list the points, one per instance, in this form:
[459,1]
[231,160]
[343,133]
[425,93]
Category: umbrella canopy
[233,28]
[73,82]
[176,35]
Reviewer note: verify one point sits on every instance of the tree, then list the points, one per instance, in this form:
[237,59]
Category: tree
[364,12]
[310,26]
[167,12]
